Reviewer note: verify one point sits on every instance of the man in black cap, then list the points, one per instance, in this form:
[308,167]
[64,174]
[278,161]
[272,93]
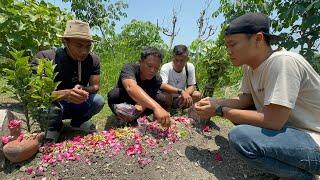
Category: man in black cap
[282,136]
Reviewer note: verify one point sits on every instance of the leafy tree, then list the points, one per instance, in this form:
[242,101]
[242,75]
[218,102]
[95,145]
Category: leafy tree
[295,21]
[126,47]
[137,35]
[214,60]
[99,13]
[30,25]
[299,23]
[316,62]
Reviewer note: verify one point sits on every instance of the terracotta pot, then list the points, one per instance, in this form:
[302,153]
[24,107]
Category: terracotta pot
[15,132]
[17,151]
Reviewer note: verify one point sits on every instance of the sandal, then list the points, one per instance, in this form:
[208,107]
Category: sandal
[87,126]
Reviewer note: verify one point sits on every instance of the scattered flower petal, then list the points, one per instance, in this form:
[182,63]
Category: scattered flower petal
[218,157]
[6,139]
[29,170]
[14,123]
[206,128]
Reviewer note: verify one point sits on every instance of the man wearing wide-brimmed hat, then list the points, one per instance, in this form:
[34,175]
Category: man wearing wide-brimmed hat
[79,72]
[282,136]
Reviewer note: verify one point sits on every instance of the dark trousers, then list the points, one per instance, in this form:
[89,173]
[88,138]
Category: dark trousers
[78,113]
[120,95]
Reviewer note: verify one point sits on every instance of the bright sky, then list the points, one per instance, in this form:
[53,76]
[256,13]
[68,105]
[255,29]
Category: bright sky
[188,11]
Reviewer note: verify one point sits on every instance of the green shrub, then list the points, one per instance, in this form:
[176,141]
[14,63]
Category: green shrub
[32,86]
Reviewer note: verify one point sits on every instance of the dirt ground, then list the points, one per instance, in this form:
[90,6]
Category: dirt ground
[197,155]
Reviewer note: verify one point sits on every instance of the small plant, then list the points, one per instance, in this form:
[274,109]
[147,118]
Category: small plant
[42,86]
[33,87]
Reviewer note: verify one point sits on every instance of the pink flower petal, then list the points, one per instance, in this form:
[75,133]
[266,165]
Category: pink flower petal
[29,170]
[218,157]
[5,139]
[151,142]
[15,123]
[21,137]
[138,148]
[130,151]
[205,128]
[143,161]
[53,173]
[77,138]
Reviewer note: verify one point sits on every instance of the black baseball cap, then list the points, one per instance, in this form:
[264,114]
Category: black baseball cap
[250,23]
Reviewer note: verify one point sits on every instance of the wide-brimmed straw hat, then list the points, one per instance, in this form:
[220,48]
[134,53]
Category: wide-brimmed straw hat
[77,29]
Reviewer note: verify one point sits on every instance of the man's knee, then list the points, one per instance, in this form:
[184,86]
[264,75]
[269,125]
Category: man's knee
[168,100]
[241,140]
[164,99]
[113,94]
[98,101]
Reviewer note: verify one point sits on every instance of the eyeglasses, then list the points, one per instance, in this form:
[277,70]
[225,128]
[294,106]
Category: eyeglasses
[86,47]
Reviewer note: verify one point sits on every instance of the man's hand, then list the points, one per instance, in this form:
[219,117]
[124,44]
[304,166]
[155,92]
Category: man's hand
[206,108]
[185,99]
[77,95]
[162,116]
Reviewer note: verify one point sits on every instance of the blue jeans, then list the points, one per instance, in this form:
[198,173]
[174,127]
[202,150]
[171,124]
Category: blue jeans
[78,113]
[289,152]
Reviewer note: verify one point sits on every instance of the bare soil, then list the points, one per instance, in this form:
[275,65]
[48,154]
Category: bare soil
[191,157]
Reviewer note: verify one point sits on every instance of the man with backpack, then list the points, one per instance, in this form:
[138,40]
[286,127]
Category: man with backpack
[181,74]
[79,76]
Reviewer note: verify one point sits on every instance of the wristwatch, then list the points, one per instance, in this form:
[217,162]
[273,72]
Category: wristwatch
[219,111]
[179,91]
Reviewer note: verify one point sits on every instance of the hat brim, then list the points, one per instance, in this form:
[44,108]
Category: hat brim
[76,37]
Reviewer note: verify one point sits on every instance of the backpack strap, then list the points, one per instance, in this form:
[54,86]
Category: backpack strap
[187,74]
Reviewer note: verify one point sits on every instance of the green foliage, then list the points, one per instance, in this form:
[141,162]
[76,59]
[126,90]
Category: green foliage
[296,22]
[99,13]
[213,66]
[302,20]
[30,25]
[232,9]
[33,90]
[137,35]
[183,133]
[124,48]
[315,62]
[5,63]
[43,85]
[20,77]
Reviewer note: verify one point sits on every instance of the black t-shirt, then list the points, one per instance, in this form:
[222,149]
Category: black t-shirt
[132,71]
[67,68]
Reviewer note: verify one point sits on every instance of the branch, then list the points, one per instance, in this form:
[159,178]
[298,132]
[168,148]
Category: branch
[210,33]
[177,32]
[167,34]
